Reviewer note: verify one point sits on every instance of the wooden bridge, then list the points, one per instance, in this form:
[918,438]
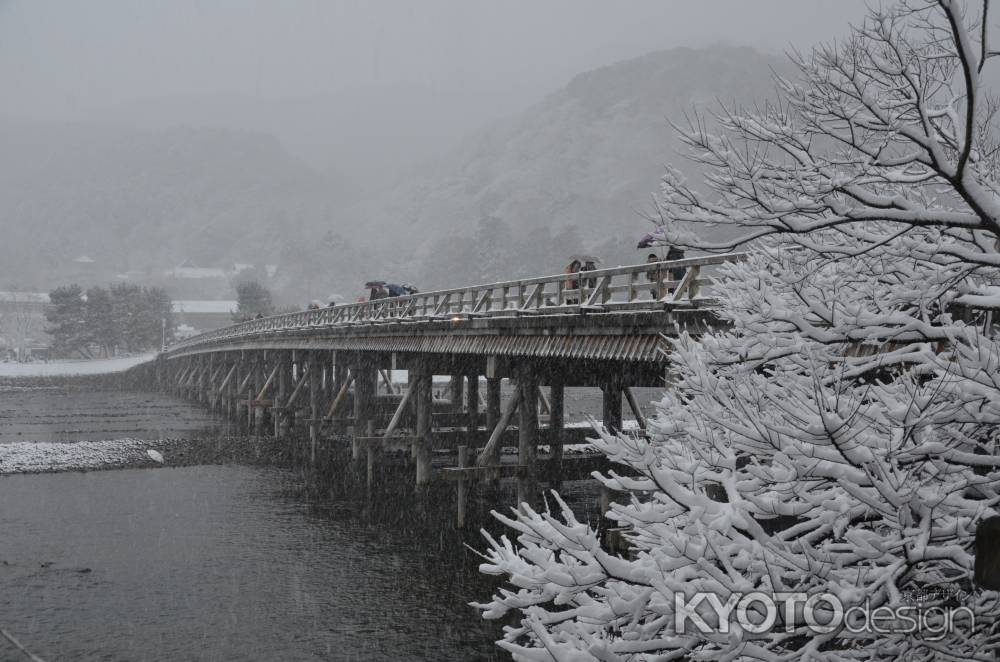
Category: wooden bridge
[330,369]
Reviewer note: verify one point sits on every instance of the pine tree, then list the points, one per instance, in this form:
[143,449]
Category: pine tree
[66,315]
[252,299]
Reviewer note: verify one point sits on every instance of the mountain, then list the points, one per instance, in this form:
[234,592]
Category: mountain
[143,201]
[580,165]
[571,173]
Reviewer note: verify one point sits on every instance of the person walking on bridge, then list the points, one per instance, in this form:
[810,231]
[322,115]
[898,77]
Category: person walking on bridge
[571,283]
[676,274]
[654,276]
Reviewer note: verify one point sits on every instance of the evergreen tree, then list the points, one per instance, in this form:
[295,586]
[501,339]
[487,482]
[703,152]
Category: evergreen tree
[252,299]
[67,316]
[100,328]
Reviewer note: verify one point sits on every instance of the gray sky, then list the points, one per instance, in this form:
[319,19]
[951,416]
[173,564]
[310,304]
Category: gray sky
[357,85]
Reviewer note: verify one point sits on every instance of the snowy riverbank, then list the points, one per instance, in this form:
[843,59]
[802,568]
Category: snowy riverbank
[44,456]
[67,368]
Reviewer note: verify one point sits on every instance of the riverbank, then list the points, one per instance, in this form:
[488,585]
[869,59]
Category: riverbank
[70,368]
[32,457]
[53,424]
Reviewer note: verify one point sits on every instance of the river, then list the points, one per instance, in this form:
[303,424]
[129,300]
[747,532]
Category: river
[225,561]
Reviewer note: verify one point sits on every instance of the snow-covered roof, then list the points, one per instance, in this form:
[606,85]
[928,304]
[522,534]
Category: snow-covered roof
[196,272]
[83,259]
[205,306]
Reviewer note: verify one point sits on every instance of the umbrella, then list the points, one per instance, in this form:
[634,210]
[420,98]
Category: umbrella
[583,257]
[375,283]
[657,237]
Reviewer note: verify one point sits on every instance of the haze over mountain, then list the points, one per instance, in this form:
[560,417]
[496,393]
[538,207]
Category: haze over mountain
[514,198]
[140,201]
[573,172]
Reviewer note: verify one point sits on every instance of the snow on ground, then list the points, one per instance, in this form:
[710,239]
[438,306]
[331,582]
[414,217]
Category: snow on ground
[43,456]
[58,368]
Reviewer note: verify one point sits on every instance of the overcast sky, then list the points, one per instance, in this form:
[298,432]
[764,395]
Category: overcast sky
[353,82]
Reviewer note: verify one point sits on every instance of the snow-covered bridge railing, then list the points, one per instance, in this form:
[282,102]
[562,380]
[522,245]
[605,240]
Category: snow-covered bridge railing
[618,289]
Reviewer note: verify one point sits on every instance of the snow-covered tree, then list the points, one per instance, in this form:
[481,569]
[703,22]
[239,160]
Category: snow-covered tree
[839,437]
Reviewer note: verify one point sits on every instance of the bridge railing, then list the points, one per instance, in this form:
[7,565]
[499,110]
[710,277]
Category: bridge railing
[636,287]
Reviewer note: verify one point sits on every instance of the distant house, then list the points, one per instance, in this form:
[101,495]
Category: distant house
[188,270]
[204,315]
[18,301]
[22,325]
[83,270]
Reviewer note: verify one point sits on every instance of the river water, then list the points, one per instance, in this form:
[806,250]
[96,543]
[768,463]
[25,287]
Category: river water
[225,561]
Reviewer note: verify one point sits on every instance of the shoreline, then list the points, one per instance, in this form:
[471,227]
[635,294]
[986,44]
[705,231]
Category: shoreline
[43,457]
[73,368]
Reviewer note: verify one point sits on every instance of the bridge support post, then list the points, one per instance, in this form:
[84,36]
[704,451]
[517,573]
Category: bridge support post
[455,392]
[612,405]
[259,391]
[339,377]
[527,437]
[424,398]
[493,385]
[315,367]
[472,408]
[365,383]
[205,383]
[232,411]
[462,487]
[278,417]
[557,399]
[252,385]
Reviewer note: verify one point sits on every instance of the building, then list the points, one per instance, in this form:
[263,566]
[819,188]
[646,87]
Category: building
[22,325]
[203,315]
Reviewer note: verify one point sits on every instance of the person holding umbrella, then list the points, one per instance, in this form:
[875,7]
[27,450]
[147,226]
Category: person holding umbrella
[377,289]
[572,283]
[654,276]
[658,237]
[588,263]
[677,273]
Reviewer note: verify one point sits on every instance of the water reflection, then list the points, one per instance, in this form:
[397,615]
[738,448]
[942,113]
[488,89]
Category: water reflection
[232,563]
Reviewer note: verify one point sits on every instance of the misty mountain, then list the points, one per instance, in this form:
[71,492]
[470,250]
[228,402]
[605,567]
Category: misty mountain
[142,201]
[574,172]
[515,198]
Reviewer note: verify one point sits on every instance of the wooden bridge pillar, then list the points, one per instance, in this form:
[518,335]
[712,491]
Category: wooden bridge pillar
[557,393]
[424,397]
[204,384]
[493,387]
[315,382]
[278,418]
[252,389]
[231,394]
[612,405]
[455,392]
[365,384]
[340,370]
[527,437]
[472,408]
[260,391]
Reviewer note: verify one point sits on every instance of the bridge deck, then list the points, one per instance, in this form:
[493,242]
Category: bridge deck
[620,313]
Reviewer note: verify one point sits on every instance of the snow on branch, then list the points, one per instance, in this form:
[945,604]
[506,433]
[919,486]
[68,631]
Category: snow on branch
[840,438]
